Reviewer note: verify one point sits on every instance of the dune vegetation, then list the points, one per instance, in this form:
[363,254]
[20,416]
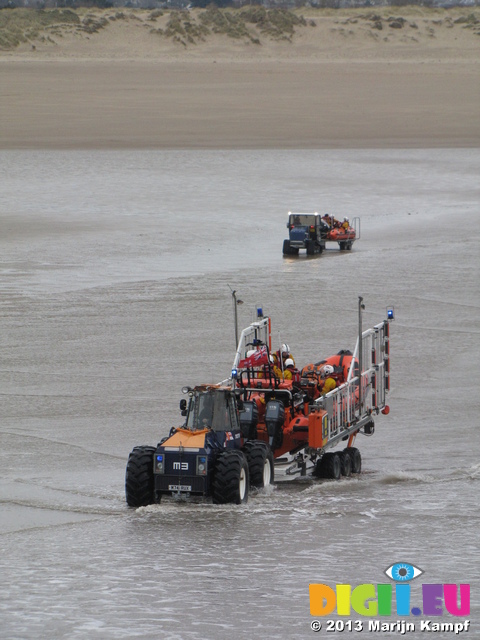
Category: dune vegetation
[251,24]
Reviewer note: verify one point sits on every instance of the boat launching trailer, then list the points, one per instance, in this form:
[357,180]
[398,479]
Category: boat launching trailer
[259,423]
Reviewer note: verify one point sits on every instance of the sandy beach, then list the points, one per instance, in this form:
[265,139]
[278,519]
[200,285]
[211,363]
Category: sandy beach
[402,77]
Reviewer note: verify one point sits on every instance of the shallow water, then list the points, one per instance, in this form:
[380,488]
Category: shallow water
[115,274]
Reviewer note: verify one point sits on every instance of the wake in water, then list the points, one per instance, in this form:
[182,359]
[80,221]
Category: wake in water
[415,477]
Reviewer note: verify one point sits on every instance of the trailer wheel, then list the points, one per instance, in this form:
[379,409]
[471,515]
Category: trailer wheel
[260,464]
[139,480]
[230,484]
[345,464]
[329,466]
[342,246]
[355,457]
[334,468]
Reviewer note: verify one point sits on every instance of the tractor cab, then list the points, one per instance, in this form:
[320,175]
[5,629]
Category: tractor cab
[210,407]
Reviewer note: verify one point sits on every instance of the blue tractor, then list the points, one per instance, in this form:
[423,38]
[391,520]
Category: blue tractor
[214,454]
[306,231]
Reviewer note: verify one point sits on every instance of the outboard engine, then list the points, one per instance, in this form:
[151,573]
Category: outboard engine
[274,419]
[249,420]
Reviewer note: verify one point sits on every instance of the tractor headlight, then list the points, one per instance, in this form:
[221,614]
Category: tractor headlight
[201,466]
[159,463]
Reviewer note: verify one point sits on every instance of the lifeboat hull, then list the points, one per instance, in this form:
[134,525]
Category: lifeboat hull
[341,234]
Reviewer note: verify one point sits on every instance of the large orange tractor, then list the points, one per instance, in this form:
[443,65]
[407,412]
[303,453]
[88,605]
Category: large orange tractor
[260,421]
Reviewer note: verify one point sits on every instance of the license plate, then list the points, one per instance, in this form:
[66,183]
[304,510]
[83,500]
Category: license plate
[179,487]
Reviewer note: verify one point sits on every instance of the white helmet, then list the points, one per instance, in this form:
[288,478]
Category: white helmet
[289,362]
[346,220]
[327,370]
[285,348]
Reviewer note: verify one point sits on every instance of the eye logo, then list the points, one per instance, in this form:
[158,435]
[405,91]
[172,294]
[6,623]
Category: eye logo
[403,572]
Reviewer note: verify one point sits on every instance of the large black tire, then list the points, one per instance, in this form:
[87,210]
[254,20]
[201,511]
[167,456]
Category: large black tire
[329,466]
[139,479]
[230,484]
[310,245]
[288,250]
[260,463]
[342,245]
[356,459]
[345,464]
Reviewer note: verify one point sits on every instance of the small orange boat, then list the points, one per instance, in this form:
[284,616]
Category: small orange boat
[341,363]
[340,232]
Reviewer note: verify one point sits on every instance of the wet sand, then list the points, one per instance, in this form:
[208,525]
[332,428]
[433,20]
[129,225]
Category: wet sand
[281,104]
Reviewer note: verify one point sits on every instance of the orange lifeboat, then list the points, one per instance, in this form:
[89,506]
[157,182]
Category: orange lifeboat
[340,234]
[341,363]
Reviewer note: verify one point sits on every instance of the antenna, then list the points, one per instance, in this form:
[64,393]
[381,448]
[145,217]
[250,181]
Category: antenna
[236,302]
[361,307]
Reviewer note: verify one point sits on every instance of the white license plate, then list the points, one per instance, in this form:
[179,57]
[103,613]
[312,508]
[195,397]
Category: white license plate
[179,487]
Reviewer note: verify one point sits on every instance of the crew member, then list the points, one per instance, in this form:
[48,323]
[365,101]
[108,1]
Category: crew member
[290,373]
[282,354]
[277,372]
[271,369]
[327,383]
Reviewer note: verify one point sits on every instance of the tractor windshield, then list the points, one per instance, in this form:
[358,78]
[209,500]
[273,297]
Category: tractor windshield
[302,220]
[212,409]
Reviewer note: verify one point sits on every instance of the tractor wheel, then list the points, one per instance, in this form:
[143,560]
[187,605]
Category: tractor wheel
[329,466]
[139,482]
[310,246]
[260,464]
[345,464]
[355,457]
[230,484]
[286,248]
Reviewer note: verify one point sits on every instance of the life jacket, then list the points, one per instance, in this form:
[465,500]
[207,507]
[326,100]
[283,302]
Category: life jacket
[292,374]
